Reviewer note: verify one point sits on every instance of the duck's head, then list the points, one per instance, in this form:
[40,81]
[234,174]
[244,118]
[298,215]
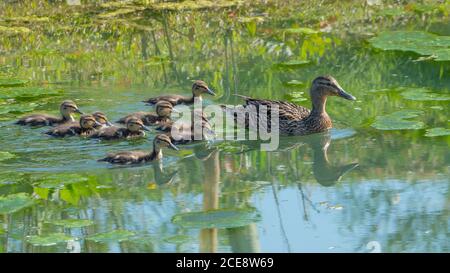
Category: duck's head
[200,87]
[324,86]
[163,141]
[68,107]
[135,125]
[164,109]
[101,118]
[88,122]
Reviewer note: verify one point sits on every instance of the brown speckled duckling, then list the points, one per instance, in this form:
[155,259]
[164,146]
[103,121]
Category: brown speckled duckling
[163,111]
[298,120]
[198,89]
[85,127]
[67,108]
[101,118]
[135,129]
[133,157]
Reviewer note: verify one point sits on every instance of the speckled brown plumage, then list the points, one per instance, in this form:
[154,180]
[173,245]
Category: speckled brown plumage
[67,108]
[135,129]
[85,127]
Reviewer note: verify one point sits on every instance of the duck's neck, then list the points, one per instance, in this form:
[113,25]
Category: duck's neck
[193,98]
[318,105]
[67,117]
[156,154]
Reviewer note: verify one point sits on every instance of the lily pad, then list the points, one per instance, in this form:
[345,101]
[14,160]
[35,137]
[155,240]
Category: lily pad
[27,92]
[48,240]
[423,94]
[6,156]
[177,239]
[293,64]
[12,82]
[397,121]
[420,42]
[15,202]
[72,223]
[111,236]
[220,218]
[14,30]
[301,30]
[17,108]
[439,131]
[59,180]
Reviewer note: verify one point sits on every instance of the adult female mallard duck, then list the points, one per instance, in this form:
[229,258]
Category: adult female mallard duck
[67,108]
[198,89]
[133,157]
[295,119]
[85,127]
[102,120]
[163,111]
[135,129]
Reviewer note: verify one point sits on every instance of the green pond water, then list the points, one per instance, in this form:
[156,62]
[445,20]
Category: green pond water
[379,178]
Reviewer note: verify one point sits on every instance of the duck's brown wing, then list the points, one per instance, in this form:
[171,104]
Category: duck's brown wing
[147,117]
[173,99]
[63,130]
[112,132]
[287,110]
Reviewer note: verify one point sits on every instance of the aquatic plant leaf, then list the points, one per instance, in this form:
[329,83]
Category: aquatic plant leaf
[27,19]
[49,239]
[301,30]
[17,108]
[177,239]
[6,156]
[220,218]
[293,64]
[58,180]
[12,82]
[72,223]
[193,5]
[423,94]
[397,121]
[438,131]
[116,13]
[14,30]
[420,42]
[111,236]
[27,92]
[15,202]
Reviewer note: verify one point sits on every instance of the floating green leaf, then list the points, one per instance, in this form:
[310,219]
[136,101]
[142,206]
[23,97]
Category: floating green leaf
[177,239]
[15,202]
[27,92]
[422,43]
[111,236]
[397,121]
[301,30]
[14,30]
[17,108]
[293,64]
[12,82]
[48,240]
[72,223]
[6,156]
[423,94]
[115,13]
[220,218]
[439,131]
[58,180]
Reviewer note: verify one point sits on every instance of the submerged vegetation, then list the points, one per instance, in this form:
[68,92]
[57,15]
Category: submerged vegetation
[109,55]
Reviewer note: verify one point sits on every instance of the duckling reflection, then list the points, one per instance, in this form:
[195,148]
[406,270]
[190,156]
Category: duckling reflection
[163,177]
[325,173]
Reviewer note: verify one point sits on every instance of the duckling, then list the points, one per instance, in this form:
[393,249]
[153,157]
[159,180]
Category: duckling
[85,127]
[133,157]
[134,129]
[163,111]
[295,119]
[67,108]
[101,118]
[198,89]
